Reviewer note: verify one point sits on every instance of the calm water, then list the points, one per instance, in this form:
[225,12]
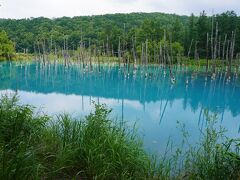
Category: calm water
[154,103]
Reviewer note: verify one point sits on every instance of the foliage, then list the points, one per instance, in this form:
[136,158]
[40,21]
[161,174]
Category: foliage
[35,146]
[109,29]
[32,146]
[214,157]
[20,133]
[6,45]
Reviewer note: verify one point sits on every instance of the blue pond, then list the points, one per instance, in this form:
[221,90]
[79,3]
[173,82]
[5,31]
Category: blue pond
[144,96]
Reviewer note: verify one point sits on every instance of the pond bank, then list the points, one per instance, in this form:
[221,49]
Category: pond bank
[33,146]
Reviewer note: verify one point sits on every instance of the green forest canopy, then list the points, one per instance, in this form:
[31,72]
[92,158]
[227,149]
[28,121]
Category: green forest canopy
[112,27]
[6,45]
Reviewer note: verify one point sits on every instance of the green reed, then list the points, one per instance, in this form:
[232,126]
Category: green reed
[36,146]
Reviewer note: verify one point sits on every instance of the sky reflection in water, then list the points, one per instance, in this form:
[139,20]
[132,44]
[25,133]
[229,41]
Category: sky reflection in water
[153,103]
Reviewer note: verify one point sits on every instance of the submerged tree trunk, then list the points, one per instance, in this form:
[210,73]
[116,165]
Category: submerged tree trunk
[207,60]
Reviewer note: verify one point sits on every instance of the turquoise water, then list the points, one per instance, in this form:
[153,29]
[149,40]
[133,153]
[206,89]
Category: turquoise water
[145,97]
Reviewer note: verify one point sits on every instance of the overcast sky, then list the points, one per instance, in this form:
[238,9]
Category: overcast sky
[58,8]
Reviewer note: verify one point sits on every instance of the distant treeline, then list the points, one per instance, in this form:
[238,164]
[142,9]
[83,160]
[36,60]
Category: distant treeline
[135,28]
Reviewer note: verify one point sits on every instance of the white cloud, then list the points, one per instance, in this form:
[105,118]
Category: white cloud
[58,8]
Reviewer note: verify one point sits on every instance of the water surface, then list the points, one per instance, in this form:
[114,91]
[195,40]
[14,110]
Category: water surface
[145,96]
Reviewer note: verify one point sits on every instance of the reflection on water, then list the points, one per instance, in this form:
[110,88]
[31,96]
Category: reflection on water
[153,102]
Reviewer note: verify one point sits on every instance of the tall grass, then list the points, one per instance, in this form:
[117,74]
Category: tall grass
[20,133]
[36,146]
[213,157]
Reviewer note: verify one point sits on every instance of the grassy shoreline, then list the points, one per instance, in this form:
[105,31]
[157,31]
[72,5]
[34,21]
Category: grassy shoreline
[183,60]
[35,146]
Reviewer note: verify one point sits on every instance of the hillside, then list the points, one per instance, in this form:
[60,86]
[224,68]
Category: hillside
[109,28]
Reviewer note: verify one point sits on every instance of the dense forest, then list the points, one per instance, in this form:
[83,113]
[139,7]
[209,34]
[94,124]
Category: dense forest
[6,45]
[109,30]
